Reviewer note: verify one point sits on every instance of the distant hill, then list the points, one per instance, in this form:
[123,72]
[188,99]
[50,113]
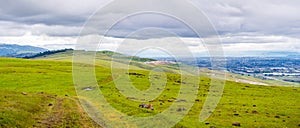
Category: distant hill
[47,53]
[104,58]
[19,51]
[69,53]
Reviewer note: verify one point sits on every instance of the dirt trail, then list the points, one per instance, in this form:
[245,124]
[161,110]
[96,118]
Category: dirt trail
[250,82]
[56,114]
[64,112]
[85,122]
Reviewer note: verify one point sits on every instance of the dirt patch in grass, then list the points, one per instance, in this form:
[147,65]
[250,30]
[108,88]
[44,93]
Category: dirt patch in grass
[56,115]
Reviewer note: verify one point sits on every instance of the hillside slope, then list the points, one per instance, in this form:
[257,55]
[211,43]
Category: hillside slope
[43,92]
[104,58]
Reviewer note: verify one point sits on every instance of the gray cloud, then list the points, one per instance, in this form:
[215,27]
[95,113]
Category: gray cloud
[18,29]
[161,22]
[246,22]
[49,12]
[272,17]
[277,17]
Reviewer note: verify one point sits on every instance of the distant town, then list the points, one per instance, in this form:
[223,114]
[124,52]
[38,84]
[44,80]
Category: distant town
[267,68]
[286,69]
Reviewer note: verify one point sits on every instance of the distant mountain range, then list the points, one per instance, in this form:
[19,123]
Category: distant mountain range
[19,51]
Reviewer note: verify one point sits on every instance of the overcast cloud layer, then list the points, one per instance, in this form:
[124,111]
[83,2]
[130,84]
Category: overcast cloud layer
[266,25]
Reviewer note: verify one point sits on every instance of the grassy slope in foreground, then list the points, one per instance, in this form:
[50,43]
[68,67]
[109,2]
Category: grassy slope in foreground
[51,99]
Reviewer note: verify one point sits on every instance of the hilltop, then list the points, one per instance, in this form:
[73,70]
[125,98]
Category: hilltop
[105,57]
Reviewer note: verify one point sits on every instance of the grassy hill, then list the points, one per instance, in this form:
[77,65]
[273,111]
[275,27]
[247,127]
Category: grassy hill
[40,93]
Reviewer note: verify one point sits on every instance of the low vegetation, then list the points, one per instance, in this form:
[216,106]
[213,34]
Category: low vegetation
[40,93]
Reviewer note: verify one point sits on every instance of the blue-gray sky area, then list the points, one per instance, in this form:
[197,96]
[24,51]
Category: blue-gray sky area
[252,25]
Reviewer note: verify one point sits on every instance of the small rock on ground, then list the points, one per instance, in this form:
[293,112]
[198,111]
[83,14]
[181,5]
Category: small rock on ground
[236,124]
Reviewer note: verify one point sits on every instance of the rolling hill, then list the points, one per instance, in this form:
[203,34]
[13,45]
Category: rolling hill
[40,92]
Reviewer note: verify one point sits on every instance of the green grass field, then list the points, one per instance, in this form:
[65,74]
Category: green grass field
[40,93]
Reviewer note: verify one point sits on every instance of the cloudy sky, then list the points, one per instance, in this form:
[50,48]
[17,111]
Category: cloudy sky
[254,25]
